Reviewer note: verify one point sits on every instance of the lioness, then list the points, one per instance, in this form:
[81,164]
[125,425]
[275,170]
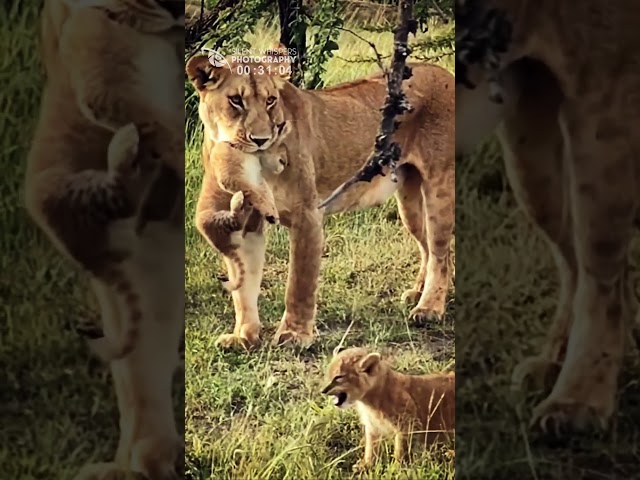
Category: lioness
[104,182]
[408,407]
[334,132]
[570,132]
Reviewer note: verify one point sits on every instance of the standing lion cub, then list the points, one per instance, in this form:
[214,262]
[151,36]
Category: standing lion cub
[409,407]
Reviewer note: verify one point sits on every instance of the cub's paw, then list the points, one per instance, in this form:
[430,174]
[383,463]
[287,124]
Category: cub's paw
[107,471]
[535,374]
[123,150]
[563,416]
[263,205]
[411,297]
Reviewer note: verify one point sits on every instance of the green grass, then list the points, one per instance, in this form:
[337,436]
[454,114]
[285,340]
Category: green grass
[506,292]
[58,408]
[261,416]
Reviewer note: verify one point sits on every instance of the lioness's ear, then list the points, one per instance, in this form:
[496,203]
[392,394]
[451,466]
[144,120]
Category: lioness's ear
[202,73]
[370,362]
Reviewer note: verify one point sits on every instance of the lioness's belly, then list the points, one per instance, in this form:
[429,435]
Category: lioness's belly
[360,196]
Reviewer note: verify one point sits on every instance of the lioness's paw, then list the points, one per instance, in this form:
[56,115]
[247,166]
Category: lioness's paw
[285,335]
[106,471]
[157,457]
[422,315]
[361,466]
[563,416]
[123,149]
[535,374]
[411,296]
[248,339]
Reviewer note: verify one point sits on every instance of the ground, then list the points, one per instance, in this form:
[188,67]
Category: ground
[262,415]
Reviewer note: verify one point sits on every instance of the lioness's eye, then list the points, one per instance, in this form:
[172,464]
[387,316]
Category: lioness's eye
[271,100]
[236,100]
[338,377]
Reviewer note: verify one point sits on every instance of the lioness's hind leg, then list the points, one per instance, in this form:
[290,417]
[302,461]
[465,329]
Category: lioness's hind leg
[439,198]
[413,214]
[533,150]
[603,205]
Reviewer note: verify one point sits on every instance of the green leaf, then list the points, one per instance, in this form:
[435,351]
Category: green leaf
[331,45]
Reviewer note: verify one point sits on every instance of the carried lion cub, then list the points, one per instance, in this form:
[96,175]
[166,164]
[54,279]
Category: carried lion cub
[240,171]
[391,403]
[225,231]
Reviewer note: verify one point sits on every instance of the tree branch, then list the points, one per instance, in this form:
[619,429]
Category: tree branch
[482,36]
[197,28]
[386,152]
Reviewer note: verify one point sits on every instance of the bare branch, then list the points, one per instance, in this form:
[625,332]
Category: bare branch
[372,45]
[386,152]
[196,32]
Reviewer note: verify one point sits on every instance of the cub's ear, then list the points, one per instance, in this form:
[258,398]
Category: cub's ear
[369,363]
[202,74]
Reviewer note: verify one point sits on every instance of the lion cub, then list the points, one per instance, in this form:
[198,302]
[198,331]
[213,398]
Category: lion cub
[239,171]
[391,403]
[225,233]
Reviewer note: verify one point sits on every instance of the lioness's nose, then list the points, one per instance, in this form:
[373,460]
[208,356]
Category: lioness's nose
[259,141]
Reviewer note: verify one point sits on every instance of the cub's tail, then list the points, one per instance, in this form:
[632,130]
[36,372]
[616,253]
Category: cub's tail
[106,348]
[232,285]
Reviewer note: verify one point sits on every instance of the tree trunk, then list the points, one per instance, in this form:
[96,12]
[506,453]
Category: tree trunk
[293,35]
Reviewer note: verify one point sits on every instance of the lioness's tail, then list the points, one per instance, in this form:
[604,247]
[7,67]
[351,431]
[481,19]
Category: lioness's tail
[237,282]
[108,349]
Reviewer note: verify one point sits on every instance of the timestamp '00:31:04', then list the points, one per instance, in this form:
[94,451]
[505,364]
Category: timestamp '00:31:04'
[264,69]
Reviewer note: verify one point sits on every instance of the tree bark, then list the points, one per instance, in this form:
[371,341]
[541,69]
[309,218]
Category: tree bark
[293,36]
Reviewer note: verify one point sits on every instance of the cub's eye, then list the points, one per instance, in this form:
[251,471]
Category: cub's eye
[236,101]
[271,101]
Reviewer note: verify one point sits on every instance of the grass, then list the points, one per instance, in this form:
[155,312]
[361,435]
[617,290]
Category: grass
[506,290]
[57,406]
[261,416]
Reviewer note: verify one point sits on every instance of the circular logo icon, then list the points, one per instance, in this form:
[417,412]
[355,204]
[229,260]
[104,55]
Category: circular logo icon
[216,59]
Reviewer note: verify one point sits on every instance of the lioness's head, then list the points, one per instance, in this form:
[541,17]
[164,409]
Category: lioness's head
[239,102]
[351,374]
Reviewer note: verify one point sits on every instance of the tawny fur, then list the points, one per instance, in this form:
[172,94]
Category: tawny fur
[333,134]
[99,155]
[73,192]
[569,131]
[225,232]
[238,171]
[390,403]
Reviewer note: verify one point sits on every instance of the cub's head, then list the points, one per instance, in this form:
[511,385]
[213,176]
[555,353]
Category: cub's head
[239,102]
[351,374]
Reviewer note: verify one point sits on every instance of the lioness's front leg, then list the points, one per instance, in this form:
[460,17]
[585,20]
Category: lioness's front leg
[305,252]
[149,441]
[252,253]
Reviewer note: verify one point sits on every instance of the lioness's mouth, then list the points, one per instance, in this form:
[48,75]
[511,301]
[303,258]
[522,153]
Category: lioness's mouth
[339,399]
